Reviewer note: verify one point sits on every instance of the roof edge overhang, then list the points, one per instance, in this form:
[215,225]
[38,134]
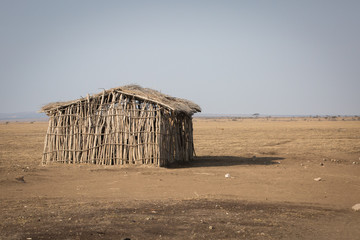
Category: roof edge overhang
[177,105]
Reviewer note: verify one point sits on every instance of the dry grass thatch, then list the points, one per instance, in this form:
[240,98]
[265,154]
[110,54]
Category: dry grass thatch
[125,125]
[175,104]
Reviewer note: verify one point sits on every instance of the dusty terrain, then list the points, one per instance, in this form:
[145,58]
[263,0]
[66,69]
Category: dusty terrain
[270,194]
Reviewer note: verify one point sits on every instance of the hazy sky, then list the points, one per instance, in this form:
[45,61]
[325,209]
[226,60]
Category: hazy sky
[230,57]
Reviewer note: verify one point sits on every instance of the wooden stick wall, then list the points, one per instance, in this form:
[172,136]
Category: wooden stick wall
[176,138]
[118,129]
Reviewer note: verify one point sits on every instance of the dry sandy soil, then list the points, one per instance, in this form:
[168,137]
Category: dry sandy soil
[270,194]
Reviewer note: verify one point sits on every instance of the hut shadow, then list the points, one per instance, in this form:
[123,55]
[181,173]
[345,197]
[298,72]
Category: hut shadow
[227,161]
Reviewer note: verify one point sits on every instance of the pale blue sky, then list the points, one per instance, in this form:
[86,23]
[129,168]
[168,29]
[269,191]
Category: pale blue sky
[230,57]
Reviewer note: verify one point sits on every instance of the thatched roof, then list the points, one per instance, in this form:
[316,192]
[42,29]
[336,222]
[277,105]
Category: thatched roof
[176,104]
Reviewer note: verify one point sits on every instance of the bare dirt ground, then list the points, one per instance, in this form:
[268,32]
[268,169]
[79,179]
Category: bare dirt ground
[270,194]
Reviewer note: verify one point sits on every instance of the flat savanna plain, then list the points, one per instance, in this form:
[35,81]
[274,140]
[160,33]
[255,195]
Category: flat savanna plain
[270,194]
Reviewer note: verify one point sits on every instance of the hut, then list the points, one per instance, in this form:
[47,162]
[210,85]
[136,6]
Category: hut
[124,125]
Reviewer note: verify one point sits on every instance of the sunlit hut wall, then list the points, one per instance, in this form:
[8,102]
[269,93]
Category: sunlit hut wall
[125,125]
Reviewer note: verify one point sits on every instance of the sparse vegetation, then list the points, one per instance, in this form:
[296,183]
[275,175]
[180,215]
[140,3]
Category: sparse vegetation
[270,192]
